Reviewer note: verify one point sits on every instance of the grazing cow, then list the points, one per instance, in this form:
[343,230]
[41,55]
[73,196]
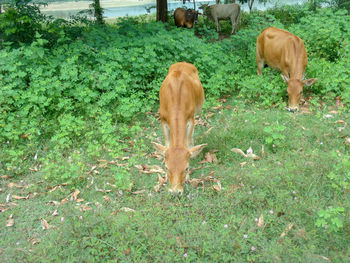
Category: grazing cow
[185,17]
[222,12]
[181,97]
[286,52]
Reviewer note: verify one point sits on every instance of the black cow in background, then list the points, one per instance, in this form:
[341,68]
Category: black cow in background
[185,17]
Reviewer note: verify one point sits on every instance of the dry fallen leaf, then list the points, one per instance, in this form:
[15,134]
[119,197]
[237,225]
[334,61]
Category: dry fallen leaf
[45,225]
[5,176]
[65,200]
[218,186]
[10,221]
[340,121]
[262,151]
[127,252]
[19,197]
[107,199]
[249,154]
[210,157]
[54,203]
[161,182]
[242,164]
[84,208]
[11,185]
[35,241]
[139,192]
[75,194]
[127,209]
[261,221]
[285,232]
[347,140]
[146,169]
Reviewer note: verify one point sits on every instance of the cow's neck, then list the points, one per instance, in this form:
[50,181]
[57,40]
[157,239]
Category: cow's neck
[297,65]
[177,127]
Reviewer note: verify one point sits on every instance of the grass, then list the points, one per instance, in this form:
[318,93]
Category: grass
[260,200]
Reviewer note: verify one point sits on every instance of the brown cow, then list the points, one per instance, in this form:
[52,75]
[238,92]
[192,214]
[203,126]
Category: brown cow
[181,97]
[286,52]
[185,17]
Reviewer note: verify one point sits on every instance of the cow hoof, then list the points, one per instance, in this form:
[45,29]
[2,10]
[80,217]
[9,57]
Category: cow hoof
[291,110]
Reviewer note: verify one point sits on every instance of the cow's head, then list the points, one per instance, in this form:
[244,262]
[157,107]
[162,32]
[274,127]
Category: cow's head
[191,17]
[295,91]
[205,8]
[177,164]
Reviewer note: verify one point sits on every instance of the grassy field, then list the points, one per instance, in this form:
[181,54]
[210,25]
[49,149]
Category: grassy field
[291,205]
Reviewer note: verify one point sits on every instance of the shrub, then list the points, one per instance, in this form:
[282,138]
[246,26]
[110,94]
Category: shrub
[323,32]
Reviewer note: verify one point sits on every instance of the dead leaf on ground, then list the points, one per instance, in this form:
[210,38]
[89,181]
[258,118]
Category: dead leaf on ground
[341,122]
[146,169]
[210,157]
[209,130]
[242,164]
[107,199]
[54,202]
[35,241]
[347,140]
[5,176]
[288,228]
[127,251]
[75,194]
[305,110]
[10,221]
[91,183]
[11,185]
[261,221]
[19,197]
[262,151]
[217,107]
[161,182]
[45,225]
[139,192]
[65,200]
[249,154]
[84,208]
[127,209]
[218,186]
[102,190]
[302,233]
[196,181]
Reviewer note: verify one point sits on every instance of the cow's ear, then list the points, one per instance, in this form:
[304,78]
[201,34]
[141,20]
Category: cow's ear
[160,148]
[285,78]
[309,82]
[194,151]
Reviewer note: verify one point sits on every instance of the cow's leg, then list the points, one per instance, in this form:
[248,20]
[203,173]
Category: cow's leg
[233,25]
[189,133]
[218,29]
[166,133]
[259,60]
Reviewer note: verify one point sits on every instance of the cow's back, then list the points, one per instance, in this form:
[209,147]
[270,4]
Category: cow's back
[225,11]
[181,91]
[179,16]
[281,49]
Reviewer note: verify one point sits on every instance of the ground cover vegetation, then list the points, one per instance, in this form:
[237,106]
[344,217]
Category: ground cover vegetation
[80,181]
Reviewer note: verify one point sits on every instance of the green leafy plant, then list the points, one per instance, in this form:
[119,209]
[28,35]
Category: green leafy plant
[275,136]
[340,176]
[331,218]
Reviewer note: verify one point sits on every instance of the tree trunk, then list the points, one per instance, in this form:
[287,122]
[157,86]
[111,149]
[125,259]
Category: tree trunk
[98,12]
[162,10]
[250,4]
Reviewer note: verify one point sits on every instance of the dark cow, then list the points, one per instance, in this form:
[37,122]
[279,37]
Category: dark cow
[185,17]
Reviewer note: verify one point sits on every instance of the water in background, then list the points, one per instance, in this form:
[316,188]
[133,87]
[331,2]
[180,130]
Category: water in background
[142,9]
